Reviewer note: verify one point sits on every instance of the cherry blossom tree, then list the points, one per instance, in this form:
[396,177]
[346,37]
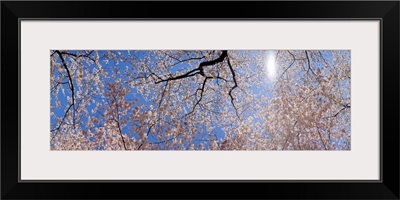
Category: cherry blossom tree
[200,100]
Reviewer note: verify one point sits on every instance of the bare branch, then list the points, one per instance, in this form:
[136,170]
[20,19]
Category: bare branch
[120,133]
[232,88]
[71,86]
[309,64]
[322,140]
[198,70]
[185,60]
[81,55]
[201,95]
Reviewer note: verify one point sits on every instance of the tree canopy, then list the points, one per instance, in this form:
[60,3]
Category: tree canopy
[200,99]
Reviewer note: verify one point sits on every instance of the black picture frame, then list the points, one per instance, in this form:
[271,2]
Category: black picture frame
[386,11]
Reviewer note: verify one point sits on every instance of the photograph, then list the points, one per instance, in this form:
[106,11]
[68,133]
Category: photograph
[224,100]
[299,96]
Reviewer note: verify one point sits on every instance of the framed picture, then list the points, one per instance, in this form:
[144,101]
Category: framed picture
[121,99]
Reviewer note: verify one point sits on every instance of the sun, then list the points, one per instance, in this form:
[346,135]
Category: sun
[271,65]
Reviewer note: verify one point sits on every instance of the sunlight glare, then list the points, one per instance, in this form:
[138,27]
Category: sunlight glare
[270,65]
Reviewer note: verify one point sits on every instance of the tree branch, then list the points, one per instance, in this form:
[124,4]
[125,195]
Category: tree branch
[81,55]
[232,88]
[185,60]
[119,127]
[322,140]
[148,132]
[198,70]
[120,133]
[62,121]
[71,86]
[294,60]
[343,108]
[201,95]
[309,64]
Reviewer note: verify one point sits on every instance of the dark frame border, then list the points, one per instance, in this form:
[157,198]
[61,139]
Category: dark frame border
[387,12]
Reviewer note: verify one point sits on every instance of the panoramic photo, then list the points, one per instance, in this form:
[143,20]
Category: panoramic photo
[224,100]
